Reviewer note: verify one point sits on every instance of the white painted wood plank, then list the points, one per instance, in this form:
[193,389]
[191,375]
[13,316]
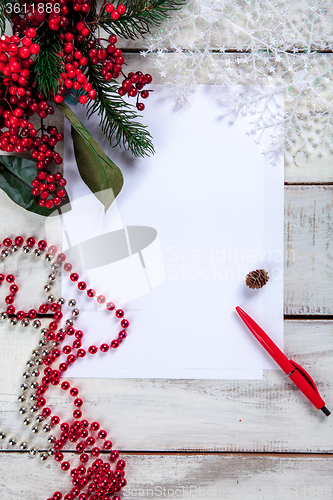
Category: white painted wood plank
[224,26]
[308,250]
[305,168]
[196,415]
[216,476]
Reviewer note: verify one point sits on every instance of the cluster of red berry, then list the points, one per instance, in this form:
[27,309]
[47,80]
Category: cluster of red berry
[19,95]
[133,85]
[111,57]
[115,12]
[49,187]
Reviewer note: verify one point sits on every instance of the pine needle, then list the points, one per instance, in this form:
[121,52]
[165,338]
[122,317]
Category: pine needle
[140,16]
[3,16]
[49,64]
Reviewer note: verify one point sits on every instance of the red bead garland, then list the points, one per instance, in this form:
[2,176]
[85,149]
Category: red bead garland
[98,480]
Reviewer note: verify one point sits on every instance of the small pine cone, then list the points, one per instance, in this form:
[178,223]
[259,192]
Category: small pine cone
[257,279]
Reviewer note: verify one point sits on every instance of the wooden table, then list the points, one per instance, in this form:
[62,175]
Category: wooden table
[210,439]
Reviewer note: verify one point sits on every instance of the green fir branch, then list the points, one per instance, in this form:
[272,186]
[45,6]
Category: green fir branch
[140,16]
[49,64]
[117,117]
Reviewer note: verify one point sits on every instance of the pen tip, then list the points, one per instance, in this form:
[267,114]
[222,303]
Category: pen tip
[326,411]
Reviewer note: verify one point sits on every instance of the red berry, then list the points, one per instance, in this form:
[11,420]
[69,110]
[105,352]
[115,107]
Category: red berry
[68,48]
[121,9]
[31,33]
[69,37]
[44,195]
[115,15]
[56,200]
[127,84]
[83,99]
[92,94]
[102,54]
[49,204]
[111,48]
[61,193]
[85,7]
[140,106]
[134,78]
[109,8]
[34,48]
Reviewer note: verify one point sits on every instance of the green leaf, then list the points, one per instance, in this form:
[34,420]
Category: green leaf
[16,175]
[100,174]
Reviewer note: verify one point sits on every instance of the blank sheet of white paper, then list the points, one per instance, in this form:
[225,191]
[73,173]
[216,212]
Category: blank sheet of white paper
[189,224]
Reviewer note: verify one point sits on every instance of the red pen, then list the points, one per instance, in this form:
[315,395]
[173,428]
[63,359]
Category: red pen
[294,371]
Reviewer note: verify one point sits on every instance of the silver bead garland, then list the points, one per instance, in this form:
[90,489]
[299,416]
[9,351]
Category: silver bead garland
[44,347]
[36,360]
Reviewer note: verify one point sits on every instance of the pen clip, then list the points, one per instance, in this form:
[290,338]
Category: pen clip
[305,375]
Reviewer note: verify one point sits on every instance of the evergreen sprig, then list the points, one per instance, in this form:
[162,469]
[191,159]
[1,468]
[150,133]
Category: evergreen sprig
[3,16]
[49,63]
[140,16]
[117,117]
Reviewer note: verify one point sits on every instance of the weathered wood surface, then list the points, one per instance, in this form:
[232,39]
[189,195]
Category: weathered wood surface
[161,415]
[226,27]
[308,250]
[268,415]
[192,477]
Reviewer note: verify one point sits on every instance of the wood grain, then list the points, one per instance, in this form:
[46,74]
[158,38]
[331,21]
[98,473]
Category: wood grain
[308,250]
[217,416]
[268,415]
[226,28]
[196,477]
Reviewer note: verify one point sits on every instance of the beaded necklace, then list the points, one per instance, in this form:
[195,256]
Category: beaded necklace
[97,481]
